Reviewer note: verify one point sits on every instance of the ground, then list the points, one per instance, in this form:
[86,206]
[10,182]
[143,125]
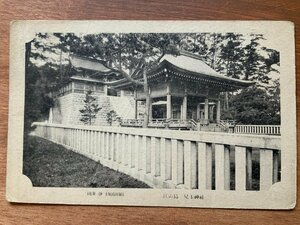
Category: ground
[51,165]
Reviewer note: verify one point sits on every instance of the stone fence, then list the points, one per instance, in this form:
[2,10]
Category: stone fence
[258,129]
[174,159]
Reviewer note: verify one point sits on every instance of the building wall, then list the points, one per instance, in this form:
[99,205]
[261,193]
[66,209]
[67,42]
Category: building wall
[66,109]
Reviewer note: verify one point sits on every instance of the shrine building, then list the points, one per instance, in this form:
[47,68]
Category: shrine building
[184,88]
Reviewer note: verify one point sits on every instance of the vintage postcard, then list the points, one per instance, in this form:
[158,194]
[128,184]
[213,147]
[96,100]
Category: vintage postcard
[153,113]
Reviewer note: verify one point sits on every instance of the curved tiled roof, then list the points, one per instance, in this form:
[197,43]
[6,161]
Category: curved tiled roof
[88,64]
[199,68]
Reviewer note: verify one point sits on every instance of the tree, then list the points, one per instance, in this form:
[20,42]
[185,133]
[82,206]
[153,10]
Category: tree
[37,98]
[255,105]
[230,54]
[111,116]
[90,110]
[131,55]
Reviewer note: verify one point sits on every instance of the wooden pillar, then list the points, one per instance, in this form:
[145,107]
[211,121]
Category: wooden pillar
[150,109]
[135,109]
[50,120]
[135,105]
[169,106]
[218,116]
[211,113]
[198,112]
[206,109]
[184,108]
[105,89]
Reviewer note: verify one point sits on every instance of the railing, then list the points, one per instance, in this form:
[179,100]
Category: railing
[174,159]
[178,124]
[258,129]
[227,123]
[69,88]
[157,123]
[194,125]
[132,123]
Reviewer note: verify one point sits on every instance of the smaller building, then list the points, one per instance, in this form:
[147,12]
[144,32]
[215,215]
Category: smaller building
[88,74]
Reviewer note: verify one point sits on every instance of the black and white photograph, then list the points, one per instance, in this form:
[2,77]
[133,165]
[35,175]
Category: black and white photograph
[187,115]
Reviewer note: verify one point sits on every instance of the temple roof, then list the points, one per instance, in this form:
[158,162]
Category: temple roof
[198,66]
[88,79]
[79,62]
[188,66]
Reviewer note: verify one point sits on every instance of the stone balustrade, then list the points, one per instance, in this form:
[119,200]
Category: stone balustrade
[171,158]
[258,129]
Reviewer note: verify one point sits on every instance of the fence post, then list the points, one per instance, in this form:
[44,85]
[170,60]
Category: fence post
[174,161]
[275,166]
[106,145]
[126,156]
[186,161]
[163,158]
[168,159]
[136,152]
[204,166]
[114,147]
[222,169]
[248,168]
[143,155]
[190,169]
[227,167]
[266,169]
[153,156]
[148,155]
[240,168]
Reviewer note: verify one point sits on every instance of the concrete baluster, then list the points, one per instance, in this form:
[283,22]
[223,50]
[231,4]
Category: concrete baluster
[266,169]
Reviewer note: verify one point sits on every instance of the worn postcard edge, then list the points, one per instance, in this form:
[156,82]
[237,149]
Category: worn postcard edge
[280,196]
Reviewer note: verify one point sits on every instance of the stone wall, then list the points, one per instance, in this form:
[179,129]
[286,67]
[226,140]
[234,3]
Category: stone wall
[66,109]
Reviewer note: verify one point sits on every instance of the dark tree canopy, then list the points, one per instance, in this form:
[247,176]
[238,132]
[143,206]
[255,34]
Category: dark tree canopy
[131,55]
[255,106]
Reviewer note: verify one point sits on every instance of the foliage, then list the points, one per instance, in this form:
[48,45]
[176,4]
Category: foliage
[131,55]
[37,98]
[234,55]
[254,106]
[90,110]
[111,117]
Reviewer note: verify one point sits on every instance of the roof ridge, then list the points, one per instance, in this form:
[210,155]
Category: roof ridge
[190,54]
[87,58]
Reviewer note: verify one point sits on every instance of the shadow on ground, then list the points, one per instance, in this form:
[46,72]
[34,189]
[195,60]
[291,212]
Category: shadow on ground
[50,165]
